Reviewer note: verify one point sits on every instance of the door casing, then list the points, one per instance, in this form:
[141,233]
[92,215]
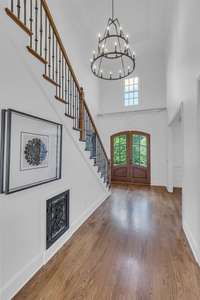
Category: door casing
[130,173]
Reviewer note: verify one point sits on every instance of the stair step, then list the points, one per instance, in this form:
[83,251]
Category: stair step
[34,53]
[77,129]
[69,116]
[50,80]
[18,22]
[61,100]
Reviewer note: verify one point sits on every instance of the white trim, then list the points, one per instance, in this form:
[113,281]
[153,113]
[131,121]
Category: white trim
[145,110]
[23,276]
[191,242]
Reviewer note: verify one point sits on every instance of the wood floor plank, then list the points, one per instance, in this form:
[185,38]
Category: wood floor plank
[131,248]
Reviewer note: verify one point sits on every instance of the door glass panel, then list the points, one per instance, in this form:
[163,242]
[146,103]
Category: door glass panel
[120,150]
[139,150]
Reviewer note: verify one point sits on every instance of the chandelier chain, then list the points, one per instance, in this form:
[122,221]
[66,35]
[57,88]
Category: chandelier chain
[113,9]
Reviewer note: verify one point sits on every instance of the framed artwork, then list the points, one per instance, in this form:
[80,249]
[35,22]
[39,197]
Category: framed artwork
[57,217]
[30,153]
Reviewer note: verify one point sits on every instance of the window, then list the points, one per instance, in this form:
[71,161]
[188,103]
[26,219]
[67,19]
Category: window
[131,91]
[120,150]
[139,150]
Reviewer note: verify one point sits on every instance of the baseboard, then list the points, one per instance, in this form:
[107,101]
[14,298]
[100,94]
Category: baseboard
[23,276]
[191,242]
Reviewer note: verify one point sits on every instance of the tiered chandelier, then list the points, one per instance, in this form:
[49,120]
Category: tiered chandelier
[113,59]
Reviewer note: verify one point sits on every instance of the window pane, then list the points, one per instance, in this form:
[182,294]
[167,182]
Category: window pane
[131,91]
[136,139]
[131,80]
[143,156]
[143,140]
[139,150]
[126,88]
[120,150]
[136,154]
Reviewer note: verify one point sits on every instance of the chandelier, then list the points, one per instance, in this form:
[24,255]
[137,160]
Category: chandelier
[113,59]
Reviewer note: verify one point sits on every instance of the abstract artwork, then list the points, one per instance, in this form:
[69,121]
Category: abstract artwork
[34,151]
[57,217]
[30,152]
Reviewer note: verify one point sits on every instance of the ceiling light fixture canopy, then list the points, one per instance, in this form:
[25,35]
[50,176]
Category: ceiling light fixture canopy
[113,59]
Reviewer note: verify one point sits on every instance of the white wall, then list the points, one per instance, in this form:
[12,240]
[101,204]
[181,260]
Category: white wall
[150,68]
[182,77]
[154,123]
[22,215]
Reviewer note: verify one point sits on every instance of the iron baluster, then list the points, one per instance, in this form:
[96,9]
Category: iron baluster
[68,92]
[59,74]
[45,47]
[63,78]
[12,6]
[36,25]
[49,58]
[31,22]
[53,57]
[25,7]
[18,9]
[56,69]
[41,29]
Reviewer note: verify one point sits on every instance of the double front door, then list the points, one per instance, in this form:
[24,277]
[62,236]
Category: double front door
[130,157]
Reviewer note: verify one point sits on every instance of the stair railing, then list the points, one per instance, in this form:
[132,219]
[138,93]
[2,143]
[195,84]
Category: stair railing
[35,18]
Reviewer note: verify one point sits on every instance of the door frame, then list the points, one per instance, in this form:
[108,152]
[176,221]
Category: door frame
[129,133]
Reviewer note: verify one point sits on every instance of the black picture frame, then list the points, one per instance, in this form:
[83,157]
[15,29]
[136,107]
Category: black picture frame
[5,151]
[2,149]
[57,217]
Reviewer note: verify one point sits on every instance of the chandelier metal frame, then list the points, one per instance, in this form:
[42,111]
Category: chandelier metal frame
[117,51]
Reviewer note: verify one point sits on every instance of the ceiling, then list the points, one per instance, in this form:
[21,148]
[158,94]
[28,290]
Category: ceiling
[146,21]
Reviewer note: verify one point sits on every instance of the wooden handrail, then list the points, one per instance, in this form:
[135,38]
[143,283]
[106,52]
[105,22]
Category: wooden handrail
[46,45]
[47,10]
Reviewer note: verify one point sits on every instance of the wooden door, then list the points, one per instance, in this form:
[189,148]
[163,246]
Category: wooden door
[119,157]
[130,157]
[139,163]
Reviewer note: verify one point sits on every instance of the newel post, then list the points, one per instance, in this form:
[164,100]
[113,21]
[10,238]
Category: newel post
[81,120]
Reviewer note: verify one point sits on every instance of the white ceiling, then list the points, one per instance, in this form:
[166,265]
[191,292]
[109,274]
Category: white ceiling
[146,21]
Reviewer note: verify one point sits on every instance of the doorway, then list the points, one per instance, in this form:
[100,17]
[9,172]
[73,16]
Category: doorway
[130,157]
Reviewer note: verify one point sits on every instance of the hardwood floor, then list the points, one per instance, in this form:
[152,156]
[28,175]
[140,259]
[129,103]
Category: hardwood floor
[131,248]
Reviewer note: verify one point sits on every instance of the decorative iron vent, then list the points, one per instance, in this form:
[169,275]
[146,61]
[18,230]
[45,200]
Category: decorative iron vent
[57,217]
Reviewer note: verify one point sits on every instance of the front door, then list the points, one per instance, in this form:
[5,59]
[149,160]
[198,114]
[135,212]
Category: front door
[130,157]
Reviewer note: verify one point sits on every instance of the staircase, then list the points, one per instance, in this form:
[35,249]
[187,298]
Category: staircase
[45,44]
